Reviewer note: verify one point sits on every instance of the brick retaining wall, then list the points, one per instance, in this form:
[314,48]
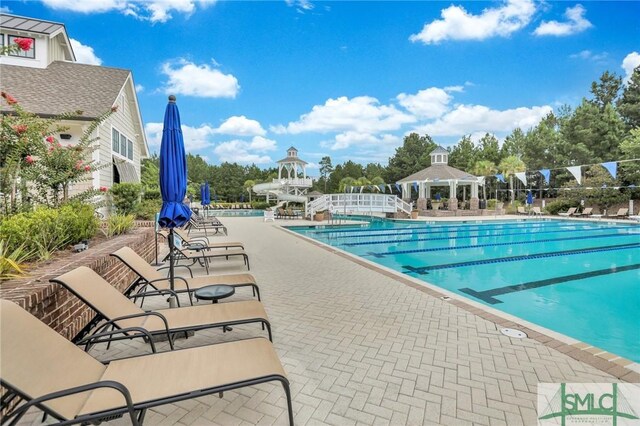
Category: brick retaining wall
[58,308]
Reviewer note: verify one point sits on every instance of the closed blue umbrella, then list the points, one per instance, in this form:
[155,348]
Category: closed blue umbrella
[529,198]
[173,177]
[205,195]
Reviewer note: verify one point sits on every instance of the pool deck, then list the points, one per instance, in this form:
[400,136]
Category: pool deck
[362,346]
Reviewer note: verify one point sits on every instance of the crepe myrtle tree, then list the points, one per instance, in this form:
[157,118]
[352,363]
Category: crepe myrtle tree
[35,164]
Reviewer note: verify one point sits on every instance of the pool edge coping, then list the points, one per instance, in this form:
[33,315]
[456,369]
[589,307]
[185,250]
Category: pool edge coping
[617,366]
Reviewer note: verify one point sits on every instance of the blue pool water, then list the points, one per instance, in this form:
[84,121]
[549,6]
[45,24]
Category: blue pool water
[578,278]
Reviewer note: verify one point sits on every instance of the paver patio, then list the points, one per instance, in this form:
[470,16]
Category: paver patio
[362,348]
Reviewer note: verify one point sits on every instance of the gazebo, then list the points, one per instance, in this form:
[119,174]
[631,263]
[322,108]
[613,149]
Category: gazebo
[440,174]
[292,167]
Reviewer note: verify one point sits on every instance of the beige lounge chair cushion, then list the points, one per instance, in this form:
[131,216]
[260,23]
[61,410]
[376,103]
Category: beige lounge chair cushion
[37,361]
[148,273]
[109,302]
[194,254]
[193,316]
[173,373]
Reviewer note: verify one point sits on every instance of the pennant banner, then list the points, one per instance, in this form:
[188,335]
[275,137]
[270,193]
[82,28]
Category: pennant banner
[500,178]
[390,189]
[546,174]
[415,186]
[612,167]
[576,171]
[399,188]
[381,187]
[522,176]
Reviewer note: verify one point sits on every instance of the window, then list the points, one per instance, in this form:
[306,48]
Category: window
[31,53]
[115,140]
[1,40]
[129,149]
[123,146]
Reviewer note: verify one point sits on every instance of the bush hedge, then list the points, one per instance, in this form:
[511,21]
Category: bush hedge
[45,230]
[126,197]
[561,205]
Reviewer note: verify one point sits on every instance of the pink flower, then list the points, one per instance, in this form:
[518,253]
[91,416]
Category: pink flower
[103,189]
[23,43]
[50,139]
[114,108]
[78,165]
[20,128]
[10,99]
[29,159]
[87,168]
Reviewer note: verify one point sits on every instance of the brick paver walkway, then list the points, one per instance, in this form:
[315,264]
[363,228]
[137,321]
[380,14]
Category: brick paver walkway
[362,348]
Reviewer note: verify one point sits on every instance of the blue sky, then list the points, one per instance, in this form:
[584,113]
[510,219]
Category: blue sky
[347,79]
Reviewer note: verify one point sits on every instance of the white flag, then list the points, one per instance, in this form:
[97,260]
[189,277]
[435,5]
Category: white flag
[576,171]
[522,176]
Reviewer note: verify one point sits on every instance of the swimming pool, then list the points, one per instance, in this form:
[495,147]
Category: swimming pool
[578,278]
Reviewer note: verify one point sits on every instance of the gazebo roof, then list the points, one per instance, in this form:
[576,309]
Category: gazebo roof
[439,150]
[292,160]
[438,172]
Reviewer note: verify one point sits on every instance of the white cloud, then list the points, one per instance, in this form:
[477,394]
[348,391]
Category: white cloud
[5,9]
[241,126]
[458,24]
[588,55]
[239,151]
[187,78]
[151,10]
[349,139]
[575,23]
[362,114]
[195,138]
[84,54]
[629,63]
[468,119]
[428,103]
[139,88]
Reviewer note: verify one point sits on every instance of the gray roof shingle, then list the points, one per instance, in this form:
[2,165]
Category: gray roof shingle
[63,87]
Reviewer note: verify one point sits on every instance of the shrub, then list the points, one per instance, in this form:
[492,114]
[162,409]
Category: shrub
[126,197]
[260,205]
[152,194]
[147,209]
[11,261]
[45,230]
[560,205]
[119,224]
[491,204]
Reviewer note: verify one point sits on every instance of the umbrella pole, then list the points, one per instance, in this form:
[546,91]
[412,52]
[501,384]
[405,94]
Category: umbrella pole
[172,300]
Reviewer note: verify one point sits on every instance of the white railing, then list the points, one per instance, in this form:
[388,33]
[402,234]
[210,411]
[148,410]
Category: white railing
[358,203]
[306,182]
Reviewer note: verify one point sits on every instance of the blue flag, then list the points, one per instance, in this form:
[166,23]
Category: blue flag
[612,168]
[399,188]
[546,174]
[500,178]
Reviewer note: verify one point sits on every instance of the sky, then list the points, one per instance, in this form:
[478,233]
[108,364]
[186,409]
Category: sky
[347,79]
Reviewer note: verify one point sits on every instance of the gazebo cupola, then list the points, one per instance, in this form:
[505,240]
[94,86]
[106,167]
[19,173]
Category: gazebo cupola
[292,167]
[439,156]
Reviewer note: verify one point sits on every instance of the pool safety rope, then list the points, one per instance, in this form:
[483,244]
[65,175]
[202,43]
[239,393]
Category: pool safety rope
[422,270]
[507,243]
[410,240]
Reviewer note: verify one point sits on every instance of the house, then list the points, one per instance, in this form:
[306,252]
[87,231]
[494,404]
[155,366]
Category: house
[48,81]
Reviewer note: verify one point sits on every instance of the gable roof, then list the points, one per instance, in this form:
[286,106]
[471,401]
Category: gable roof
[63,87]
[437,172]
[439,150]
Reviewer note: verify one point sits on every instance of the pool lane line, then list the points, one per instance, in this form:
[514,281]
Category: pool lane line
[388,232]
[508,243]
[449,227]
[424,270]
[411,240]
[488,296]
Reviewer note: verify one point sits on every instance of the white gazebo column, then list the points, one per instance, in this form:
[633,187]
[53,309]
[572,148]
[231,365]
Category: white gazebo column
[474,202]
[422,201]
[453,200]
[427,190]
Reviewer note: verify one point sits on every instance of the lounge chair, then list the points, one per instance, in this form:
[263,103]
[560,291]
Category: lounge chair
[148,276]
[124,315]
[622,213]
[203,225]
[203,256]
[202,243]
[521,210]
[536,211]
[569,212]
[585,213]
[42,369]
